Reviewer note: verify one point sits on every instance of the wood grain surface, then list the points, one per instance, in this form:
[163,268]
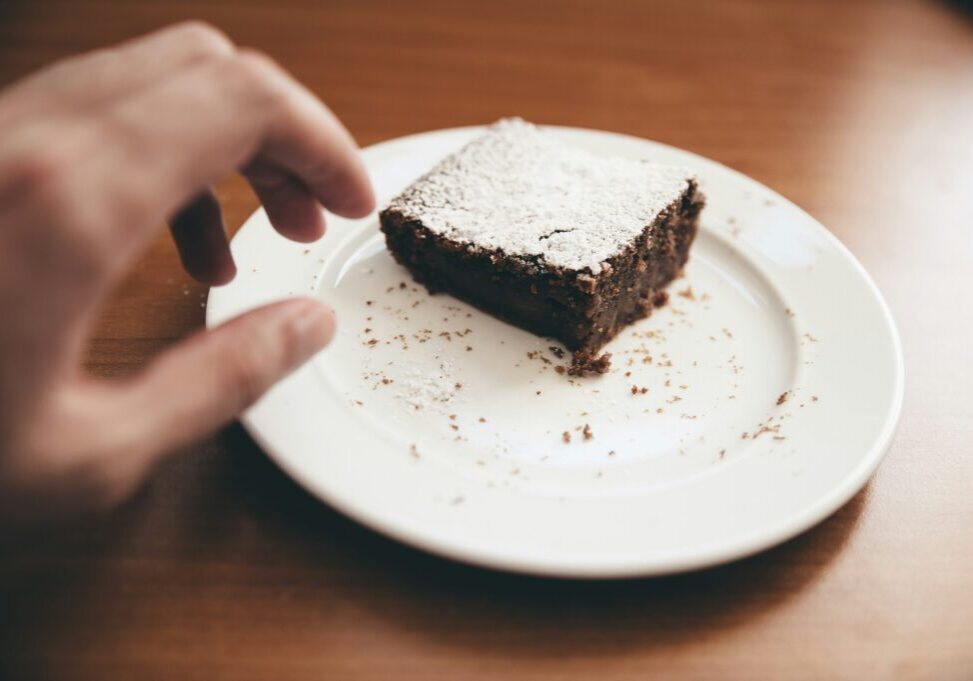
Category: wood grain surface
[221,568]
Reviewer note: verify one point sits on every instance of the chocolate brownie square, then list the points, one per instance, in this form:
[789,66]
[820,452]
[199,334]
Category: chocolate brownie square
[550,237]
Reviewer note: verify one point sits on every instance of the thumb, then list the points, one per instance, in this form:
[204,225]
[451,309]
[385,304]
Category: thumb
[208,379]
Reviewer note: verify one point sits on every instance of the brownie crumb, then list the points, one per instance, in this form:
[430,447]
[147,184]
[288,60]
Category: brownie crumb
[559,369]
[481,420]
[660,298]
[687,293]
[586,432]
[556,351]
[782,398]
[583,364]
[566,436]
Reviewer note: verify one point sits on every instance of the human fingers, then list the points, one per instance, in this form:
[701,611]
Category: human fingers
[291,207]
[200,238]
[109,435]
[207,380]
[238,111]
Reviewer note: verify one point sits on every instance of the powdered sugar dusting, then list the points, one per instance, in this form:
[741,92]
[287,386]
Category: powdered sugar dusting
[423,389]
[519,189]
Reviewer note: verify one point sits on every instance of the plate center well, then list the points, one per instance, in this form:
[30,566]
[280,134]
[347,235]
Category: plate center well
[463,390]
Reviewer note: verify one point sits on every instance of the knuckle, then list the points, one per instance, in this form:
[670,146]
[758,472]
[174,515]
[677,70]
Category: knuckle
[261,73]
[258,64]
[204,38]
[42,172]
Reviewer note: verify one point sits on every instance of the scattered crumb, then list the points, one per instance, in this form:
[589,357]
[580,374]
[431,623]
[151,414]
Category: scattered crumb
[687,293]
[722,453]
[481,420]
[414,451]
[582,365]
[586,432]
[765,429]
[556,351]
[566,436]
[782,398]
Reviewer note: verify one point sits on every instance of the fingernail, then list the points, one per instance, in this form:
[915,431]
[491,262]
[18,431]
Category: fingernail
[313,325]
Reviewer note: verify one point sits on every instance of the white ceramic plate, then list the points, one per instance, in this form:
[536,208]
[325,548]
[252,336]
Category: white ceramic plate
[774,380]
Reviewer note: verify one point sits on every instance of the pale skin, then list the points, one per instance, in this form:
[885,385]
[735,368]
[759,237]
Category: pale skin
[96,152]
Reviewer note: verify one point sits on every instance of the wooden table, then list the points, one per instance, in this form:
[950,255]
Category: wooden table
[861,112]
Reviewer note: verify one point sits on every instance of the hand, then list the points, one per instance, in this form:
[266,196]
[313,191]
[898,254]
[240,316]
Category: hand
[95,152]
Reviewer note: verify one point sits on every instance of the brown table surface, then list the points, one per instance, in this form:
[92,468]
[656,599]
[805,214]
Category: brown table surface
[860,112]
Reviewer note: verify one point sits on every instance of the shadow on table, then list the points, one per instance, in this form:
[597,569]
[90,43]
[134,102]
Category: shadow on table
[465,606]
